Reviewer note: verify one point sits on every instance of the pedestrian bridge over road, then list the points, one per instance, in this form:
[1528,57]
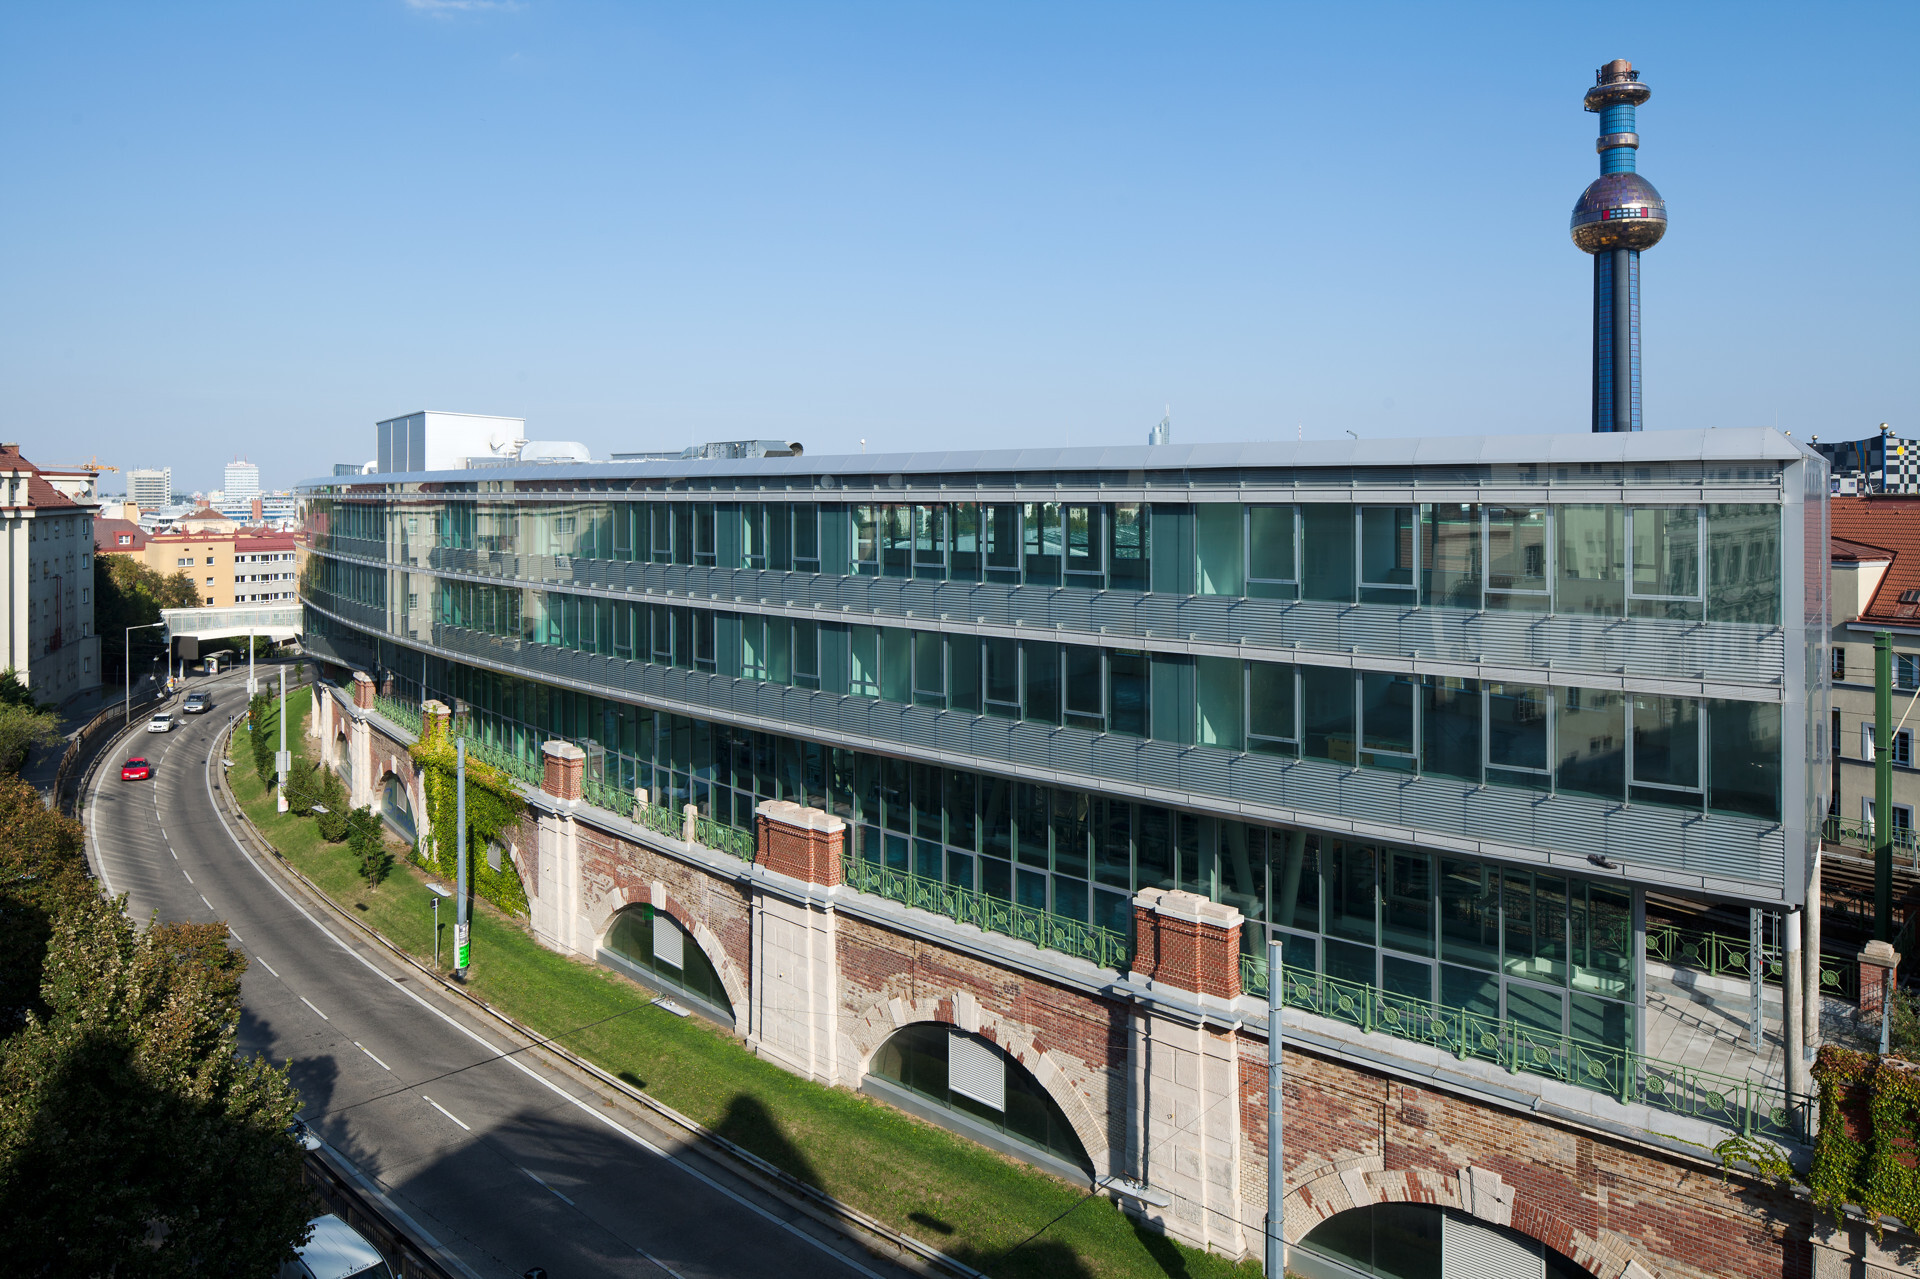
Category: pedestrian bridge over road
[278,622]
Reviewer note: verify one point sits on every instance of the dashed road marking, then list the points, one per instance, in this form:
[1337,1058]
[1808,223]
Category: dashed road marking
[369,1052]
[308,1003]
[541,1182]
[264,964]
[448,1113]
[203,897]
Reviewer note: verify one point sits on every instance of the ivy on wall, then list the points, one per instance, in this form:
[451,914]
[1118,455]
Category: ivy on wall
[493,806]
[1868,1151]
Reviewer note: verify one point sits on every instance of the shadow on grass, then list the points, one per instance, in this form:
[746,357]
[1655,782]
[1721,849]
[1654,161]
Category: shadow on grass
[1165,1253]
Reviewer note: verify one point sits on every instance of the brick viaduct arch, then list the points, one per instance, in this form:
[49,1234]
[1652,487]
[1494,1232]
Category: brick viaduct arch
[1479,1192]
[963,1012]
[732,980]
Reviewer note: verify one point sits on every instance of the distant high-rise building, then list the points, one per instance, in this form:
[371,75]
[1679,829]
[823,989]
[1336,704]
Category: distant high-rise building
[242,483]
[150,490]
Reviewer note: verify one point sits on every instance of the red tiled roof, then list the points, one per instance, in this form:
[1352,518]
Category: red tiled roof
[1847,550]
[39,492]
[107,534]
[1890,526]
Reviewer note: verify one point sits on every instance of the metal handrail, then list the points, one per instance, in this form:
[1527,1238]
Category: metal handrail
[398,712]
[1102,946]
[1728,955]
[1748,1106]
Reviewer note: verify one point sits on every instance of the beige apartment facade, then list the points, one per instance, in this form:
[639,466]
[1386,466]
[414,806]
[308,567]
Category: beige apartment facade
[1875,586]
[48,603]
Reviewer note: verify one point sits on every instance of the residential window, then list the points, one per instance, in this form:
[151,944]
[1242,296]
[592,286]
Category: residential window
[1906,670]
[1839,663]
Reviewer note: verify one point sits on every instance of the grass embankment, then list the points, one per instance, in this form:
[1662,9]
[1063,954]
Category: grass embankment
[966,1200]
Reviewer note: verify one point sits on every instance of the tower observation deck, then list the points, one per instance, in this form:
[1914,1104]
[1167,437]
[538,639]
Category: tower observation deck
[1618,215]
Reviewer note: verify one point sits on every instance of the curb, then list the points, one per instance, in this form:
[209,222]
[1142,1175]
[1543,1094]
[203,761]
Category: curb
[811,1200]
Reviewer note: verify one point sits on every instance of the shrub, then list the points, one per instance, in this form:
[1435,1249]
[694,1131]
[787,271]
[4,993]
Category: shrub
[369,846]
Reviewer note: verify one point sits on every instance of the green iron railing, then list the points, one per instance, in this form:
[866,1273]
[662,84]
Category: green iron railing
[611,798]
[708,833]
[1102,946]
[1728,955]
[723,838]
[1747,1106]
[398,712]
[1859,835]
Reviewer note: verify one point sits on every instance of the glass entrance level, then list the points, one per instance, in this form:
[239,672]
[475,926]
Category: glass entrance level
[1422,1241]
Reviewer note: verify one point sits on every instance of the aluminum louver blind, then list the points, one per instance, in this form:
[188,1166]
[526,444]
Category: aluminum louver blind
[1471,1251]
[975,1070]
[668,946]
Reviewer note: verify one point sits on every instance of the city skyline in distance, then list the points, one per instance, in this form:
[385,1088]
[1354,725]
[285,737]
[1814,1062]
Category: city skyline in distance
[639,230]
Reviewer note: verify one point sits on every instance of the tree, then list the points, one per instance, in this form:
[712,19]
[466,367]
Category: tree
[368,844]
[21,729]
[134,1140]
[128,593]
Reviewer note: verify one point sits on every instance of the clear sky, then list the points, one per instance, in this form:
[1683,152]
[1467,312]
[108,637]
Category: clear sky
[256,228]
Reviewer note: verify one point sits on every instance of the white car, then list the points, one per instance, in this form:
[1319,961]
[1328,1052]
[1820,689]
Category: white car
[161,723]
[336,1250]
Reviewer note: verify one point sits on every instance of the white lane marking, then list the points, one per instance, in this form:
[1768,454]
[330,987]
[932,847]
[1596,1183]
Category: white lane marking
[556,1194]
[236,936]
[515,1062]
[308,1003]
[183,871]
[173,855]
[203,897]
[443,1110]
[264,964]
[369,1052]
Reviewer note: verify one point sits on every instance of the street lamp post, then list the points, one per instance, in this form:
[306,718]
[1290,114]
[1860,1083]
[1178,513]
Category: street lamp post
[282,761]
[460,926]
[439,891]
[127,654]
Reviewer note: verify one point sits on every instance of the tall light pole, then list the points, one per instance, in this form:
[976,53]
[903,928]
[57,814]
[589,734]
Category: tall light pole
[282,760]
[127,654]
[252,688]
[1276,1251]
[460,938]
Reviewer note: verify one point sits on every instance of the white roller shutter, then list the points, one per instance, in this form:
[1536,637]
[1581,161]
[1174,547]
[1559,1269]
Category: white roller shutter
[668,946]
[1471,1251]
[975,1070]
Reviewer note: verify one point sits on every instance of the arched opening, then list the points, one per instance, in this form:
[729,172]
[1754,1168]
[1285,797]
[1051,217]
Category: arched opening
[396,807]
[1422,1241]
[649,945]
[973,1086]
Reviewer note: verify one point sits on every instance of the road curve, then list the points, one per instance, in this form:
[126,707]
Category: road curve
[508,1162]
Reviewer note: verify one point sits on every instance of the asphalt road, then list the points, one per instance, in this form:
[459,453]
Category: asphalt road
[507,1162]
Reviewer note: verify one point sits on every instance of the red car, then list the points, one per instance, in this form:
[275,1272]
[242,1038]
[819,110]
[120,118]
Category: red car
[136,770]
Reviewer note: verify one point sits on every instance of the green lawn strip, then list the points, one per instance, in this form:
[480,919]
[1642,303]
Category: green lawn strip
[960,1197]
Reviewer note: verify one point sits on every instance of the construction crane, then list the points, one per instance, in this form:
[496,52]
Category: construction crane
[91,464]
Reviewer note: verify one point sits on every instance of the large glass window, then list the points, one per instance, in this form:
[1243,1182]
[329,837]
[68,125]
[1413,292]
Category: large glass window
[1272,560]
[976,1078]
[1386,555]
[1666,750]
[1450,546]
[1221,698]
[1086,543]
[1517,719]
[1518,577]
[1591,740]
[646,939]
[1666,562]
[1388,709]
[1326,714]
[1743,564]
[1743,758]
[1041,529]
[1129,696]
[1271,724]
[1592,559]
[1219,543]
[1132,547]
[1450,728]
[1326,552]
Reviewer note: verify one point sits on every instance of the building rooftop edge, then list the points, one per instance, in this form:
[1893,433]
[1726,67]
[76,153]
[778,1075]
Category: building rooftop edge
[1732,444]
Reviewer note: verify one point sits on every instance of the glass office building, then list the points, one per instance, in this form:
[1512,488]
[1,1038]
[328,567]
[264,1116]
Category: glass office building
[1437,712]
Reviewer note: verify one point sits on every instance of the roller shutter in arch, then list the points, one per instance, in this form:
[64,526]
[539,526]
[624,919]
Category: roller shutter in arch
[976,1071]
[1471,1251]
[668,942]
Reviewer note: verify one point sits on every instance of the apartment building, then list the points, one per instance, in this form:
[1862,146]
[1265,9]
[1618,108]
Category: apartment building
[1876,587]
[229,564]
[48,603]
[982,781]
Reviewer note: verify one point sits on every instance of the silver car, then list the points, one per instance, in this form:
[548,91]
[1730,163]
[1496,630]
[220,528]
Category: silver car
[336,1250]
[161,723]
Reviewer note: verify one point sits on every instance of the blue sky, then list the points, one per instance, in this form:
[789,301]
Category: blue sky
[257,228]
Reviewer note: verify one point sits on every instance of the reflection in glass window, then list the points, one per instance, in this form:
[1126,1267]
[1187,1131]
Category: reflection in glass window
[1517,575]
[647,939]
[1219,543]
[1386,554]
[1743,758]
[1132,547]
[1450,545]
[1591,739]
[1592,559]
[1271,567]
[1517,734]
[1666,750]
[975,1077]
[1270,709]
[1666,562]
[1326,552]
[1450,728]
[1743,564]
